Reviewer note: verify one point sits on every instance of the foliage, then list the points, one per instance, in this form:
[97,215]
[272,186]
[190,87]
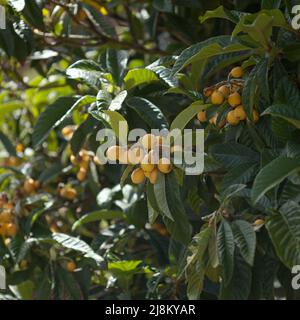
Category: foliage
[74,228]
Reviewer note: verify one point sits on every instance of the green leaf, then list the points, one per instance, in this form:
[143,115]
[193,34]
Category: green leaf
[165,74]
[85,129]
[116,103]
[114,119]
[116,63]
[180,228]
[259,25]
[270,4]
[184,117]
[48,119]
[245,237]
[136,77]
[86,70]
[126,174]
[225,242]
[213,247]
[284,231]
[10,148]
[9,106]
[77,245]
[100,21]
[207,49]
[286,92]
[128,266]
[232,191]
[50,173]
[234,154]
[222,13]
[161,198]
[273,174]
[152,213]
[33,14]
[55,114]
[163,5]
[103,99]
[98,215]
[17,5]
[197,262]
[256,85]
[152,203]
[240,174]
[259,30]
[286,112]
[218,63]
[149,112]
[240,284]
[70,285]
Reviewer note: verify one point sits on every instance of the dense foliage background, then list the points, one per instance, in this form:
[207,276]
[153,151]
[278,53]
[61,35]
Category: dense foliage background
[72,228]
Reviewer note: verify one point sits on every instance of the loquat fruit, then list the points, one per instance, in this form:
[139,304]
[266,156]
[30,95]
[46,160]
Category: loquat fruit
[164,165]
[5,216]
[148,141]
[135,155]
[202,116]
[237,72]
[29,186]
[234,99]
[24,264]
[73,160]
[112,153]
[8,206]
[225,90]
[123,155]
[84,164]
[68,131]
[71,266]
[68,193]
[147,164]
[11,230]
[153,176]
[232,119]
[2,229]
[147,173]
[207,92]
[20,147]
[240,113]
[213,120]
[217,97]
[255,116]
[81,174]
[11,162]
[97,161]
[259,222]
[137,176]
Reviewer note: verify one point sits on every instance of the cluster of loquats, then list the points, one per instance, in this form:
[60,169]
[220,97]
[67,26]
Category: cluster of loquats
[228,92]
[8,226]
[147,155]
[82,162]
